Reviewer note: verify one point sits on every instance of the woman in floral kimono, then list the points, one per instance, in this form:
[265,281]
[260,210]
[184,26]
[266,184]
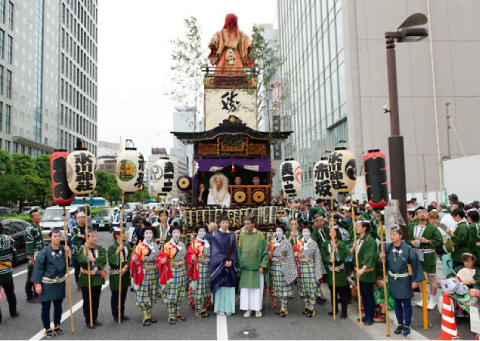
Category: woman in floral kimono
[146,274]
[198,258]
[311,269]
[171,262]
[284,269]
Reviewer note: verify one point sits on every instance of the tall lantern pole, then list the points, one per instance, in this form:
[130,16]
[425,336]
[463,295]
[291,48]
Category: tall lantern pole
[82,180]
[62,195]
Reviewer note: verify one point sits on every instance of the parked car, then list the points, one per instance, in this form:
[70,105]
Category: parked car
[16,229]
[130,208]
[5,211]
[101,221]
[26,209]
[53,217]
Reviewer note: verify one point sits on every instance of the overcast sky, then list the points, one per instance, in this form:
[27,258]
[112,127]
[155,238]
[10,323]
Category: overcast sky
[134,59]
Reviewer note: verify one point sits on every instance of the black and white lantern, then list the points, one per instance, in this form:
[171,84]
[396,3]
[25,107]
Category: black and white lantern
[342,170]
[81,172]
[323,186]
[291,174]
[130,170]
[163,173]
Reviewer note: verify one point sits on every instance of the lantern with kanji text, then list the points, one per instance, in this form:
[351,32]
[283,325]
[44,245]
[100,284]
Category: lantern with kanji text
[342,170]
[162,176]
[130,170]
[81,171]
[291,174]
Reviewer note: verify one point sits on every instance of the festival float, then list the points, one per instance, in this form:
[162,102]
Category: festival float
[232,158]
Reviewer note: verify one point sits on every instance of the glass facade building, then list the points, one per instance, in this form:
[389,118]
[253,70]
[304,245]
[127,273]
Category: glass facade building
[312,49]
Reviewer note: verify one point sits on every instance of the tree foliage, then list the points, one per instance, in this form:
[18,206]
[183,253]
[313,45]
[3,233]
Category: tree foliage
[23,164]
[6,162]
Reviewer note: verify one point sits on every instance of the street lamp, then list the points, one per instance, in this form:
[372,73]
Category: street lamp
[408,32]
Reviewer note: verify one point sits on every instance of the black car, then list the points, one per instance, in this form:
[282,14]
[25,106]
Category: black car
[16,229]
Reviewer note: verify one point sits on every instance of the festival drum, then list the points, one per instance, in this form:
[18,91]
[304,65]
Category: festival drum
[184,183]
[259,195]
[239,195]
[61,193]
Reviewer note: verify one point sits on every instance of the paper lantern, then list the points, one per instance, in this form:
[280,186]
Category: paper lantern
[81,171]
[342,170]
[375,165]
[184,183]
[58,167]
[162,176]
[323,187]
[291,173]
[130,170]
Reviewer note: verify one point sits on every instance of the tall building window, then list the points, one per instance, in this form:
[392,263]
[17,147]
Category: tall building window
[2,38]
[9,84]
[8,109]
[10,15]
[7,146]
[1,116]
[1,80]
[9,49]
[2,11]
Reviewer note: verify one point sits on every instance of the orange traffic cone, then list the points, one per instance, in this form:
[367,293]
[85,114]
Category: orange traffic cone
[449,327]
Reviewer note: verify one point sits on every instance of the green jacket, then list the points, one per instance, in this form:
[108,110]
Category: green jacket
[475,240]
[341,256]
[461,241]
[318,238]
[252,254]
[33,240]
[431,233]
[76,240]
[100,262]
[367,255]
[8,258]
[114,262]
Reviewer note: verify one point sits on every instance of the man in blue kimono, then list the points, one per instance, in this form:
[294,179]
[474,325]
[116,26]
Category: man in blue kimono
[49,275]
[223,268]
[404,273]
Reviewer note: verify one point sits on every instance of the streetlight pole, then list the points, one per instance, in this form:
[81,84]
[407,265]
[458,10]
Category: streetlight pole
[405,33]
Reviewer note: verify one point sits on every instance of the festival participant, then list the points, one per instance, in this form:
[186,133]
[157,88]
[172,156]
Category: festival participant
[238,180]
[320,231]
[8,258]
[219,194]
[467,273]
[198,258]
[256,180]
[460,237]
[78,239]
[49,274]
[284,270]
[404,273]
[230,48]
[294,234]
[119,252]
[34,244]
[330,259]
[162,229]
[311,269]
[425,238]
[367,261]
[223,268]
[146,274]
[171,261]
[97,257]
[252,263]
[474,228]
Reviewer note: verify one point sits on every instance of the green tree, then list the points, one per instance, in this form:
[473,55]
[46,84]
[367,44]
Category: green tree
[42,167]
[23,164]
[115,194]
[6,162]
[12,189]
[105,182]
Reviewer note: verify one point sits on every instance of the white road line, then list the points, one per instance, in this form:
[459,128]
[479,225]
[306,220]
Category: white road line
[66,314]
[222,331]
[20,273]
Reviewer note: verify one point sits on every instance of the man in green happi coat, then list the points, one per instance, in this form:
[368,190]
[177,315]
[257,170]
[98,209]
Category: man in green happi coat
[252,265]
[34,244]
[425,238]
[474,228]
[119,250]
[460,237]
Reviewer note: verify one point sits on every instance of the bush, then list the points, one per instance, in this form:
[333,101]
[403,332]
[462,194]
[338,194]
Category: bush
[24,217]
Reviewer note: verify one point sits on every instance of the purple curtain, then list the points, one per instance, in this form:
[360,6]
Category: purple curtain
[256,164]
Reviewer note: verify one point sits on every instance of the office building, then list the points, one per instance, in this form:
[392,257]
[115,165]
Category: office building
[336,73]
[48,75]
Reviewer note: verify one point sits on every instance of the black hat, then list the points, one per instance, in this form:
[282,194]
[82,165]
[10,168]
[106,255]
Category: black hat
[453,197]
[251,217]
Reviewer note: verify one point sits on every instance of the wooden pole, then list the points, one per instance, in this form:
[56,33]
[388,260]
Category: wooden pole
[68,271]
[120,267]
[333,270]
[424,298]
[88,263]
[384,278]
[356,258]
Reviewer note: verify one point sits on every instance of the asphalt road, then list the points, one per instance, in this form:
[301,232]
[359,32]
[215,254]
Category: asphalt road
[295,326]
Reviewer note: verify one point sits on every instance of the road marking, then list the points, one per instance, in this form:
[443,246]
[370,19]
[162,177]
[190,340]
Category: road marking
[20,273]
[66,314]
[222,331]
